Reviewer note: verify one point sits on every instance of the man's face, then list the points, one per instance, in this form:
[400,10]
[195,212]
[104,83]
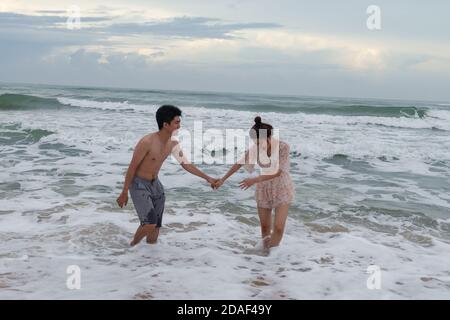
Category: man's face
[174,125]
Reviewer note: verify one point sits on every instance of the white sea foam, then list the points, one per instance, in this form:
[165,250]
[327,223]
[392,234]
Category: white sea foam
[106,105]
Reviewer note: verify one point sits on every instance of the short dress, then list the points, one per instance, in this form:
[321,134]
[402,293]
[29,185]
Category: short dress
[279,190]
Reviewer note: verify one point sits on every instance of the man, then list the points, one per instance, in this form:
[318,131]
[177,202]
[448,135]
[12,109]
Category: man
[141,179]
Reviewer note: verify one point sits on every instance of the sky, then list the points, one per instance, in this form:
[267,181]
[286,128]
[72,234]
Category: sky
[317,48]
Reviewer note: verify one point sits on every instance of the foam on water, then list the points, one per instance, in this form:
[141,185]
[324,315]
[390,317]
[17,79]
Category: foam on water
[106,105]
[215,249]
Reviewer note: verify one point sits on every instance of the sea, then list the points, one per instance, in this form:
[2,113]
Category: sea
[370,219]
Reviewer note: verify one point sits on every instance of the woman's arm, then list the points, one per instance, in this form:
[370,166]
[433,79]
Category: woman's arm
[247,183]
[230,172]
[234,168]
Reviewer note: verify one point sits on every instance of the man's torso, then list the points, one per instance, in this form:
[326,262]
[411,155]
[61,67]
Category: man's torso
[158,151]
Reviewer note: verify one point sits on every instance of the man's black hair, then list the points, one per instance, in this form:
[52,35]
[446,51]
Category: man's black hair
[166,113]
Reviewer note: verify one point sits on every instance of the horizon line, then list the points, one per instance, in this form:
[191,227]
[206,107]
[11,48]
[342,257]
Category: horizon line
[296,95]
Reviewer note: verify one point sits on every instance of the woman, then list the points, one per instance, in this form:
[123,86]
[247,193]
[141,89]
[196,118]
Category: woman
[274,187]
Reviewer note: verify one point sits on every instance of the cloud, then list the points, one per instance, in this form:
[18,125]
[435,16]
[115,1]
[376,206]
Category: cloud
[82,58]
[18,20]
[11,19]
[188,27]
[60,12]
[433,64]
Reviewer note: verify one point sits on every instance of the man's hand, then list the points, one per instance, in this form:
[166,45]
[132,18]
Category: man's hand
[212,181]
[218,183]
[122,200]
[247,183]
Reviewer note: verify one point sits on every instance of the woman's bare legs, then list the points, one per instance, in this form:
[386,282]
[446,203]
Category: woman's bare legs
[265,218]
[281,213]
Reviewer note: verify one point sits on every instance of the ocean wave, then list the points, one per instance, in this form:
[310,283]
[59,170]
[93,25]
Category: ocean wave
[340,158]
[13,134]
[317,107]
[440,114]
[437,122]
[373,111]
[104,105]
[388,116]
[396,117]
[11,102]
[346,110]
[30,102]
[342,110]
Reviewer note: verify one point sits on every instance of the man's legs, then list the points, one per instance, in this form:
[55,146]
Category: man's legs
[158,204]
[281,213]
[152,237]
[141,232]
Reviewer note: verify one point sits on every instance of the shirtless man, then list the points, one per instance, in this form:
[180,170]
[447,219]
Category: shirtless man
[141,179]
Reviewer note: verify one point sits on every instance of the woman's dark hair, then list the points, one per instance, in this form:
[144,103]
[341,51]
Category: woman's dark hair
[260,128]
[166,113]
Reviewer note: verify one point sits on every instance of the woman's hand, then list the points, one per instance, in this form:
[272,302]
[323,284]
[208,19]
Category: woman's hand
[218,183]
[211,181]
[247,183]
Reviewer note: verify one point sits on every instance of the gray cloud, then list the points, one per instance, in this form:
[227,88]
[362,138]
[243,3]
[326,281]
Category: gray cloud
[189,27]
[186,27]
[51,11]
[10,19]
[17,20]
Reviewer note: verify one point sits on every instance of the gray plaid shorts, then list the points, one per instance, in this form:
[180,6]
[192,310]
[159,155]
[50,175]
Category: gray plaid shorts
[148,199]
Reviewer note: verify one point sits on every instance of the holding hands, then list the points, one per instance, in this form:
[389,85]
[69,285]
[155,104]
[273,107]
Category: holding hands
[244,184]
[218,183]
[212,182]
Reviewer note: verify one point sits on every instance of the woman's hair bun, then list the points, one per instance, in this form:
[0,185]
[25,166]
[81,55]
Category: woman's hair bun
[258,120]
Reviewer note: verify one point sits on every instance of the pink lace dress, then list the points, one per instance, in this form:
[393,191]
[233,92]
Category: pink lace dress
[279,190]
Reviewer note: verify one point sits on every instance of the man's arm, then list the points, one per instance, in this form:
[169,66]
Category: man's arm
[195,171]
[138,155]
[178,153]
